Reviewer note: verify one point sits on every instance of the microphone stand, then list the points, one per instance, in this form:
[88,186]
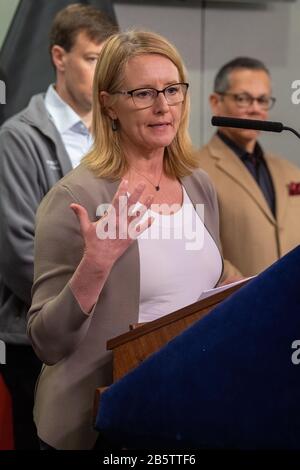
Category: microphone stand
[286,128]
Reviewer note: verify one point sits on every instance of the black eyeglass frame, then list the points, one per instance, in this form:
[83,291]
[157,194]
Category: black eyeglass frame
[131,92]
[272,99]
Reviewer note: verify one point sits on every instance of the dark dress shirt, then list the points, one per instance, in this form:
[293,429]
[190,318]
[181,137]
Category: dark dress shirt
[257,166]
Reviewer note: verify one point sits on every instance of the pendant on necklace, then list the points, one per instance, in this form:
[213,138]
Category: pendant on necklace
[157,188]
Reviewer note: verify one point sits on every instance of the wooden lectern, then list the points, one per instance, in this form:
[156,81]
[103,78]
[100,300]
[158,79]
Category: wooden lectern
[133,347]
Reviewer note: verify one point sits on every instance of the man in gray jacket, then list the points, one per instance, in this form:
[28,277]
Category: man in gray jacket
[37,147]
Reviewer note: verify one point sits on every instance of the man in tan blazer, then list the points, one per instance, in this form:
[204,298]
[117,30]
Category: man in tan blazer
[258,193]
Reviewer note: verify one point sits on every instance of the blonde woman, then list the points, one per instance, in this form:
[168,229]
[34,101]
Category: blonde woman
[106,255]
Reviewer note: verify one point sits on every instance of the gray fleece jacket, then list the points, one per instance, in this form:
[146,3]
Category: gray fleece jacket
[32,159]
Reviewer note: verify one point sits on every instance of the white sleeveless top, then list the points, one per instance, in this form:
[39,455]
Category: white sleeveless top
[178,261]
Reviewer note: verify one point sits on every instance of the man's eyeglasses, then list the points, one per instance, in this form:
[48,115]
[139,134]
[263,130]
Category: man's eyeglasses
[244,100]
[145,97]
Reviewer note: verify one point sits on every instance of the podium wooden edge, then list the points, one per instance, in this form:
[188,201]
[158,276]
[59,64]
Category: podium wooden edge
[174,316]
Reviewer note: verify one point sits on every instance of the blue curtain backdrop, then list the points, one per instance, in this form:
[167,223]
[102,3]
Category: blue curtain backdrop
[24,57]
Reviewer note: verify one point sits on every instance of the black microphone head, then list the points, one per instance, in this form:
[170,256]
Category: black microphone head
[222,121]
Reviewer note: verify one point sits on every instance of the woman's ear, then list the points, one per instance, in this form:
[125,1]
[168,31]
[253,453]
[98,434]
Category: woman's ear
[106,101]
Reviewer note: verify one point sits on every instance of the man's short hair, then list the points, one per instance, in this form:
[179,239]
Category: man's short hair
[222,79]
[77,18]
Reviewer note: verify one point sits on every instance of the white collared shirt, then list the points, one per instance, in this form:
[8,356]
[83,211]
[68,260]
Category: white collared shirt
[74,133]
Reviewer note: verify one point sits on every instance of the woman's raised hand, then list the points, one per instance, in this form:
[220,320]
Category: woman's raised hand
[108,238]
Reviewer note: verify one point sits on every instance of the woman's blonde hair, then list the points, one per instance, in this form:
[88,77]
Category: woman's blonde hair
[106,158]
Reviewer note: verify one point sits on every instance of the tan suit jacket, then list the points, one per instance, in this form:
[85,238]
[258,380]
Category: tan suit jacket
[72,343]
[251,237]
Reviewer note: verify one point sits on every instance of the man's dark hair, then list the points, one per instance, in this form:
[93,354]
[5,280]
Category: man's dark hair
[222,79]
[77,18]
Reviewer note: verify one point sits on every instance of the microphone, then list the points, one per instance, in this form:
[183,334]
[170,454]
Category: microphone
[271,126]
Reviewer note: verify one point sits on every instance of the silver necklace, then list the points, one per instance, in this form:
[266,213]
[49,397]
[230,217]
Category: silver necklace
[156,186]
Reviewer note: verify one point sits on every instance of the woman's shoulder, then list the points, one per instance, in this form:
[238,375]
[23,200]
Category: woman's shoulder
[200,188]
[81,176]
[201,177]
[82,180]
[82,186]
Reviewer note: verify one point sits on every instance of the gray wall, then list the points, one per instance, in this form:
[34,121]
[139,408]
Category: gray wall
[208,37]
[7,9]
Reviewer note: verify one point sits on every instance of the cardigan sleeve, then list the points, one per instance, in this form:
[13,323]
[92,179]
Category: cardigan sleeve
[56,322]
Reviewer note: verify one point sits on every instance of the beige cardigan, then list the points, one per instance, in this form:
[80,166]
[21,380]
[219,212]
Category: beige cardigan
[70,342]
[251,237]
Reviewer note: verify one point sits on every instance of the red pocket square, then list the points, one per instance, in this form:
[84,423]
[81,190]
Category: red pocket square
[294,188]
